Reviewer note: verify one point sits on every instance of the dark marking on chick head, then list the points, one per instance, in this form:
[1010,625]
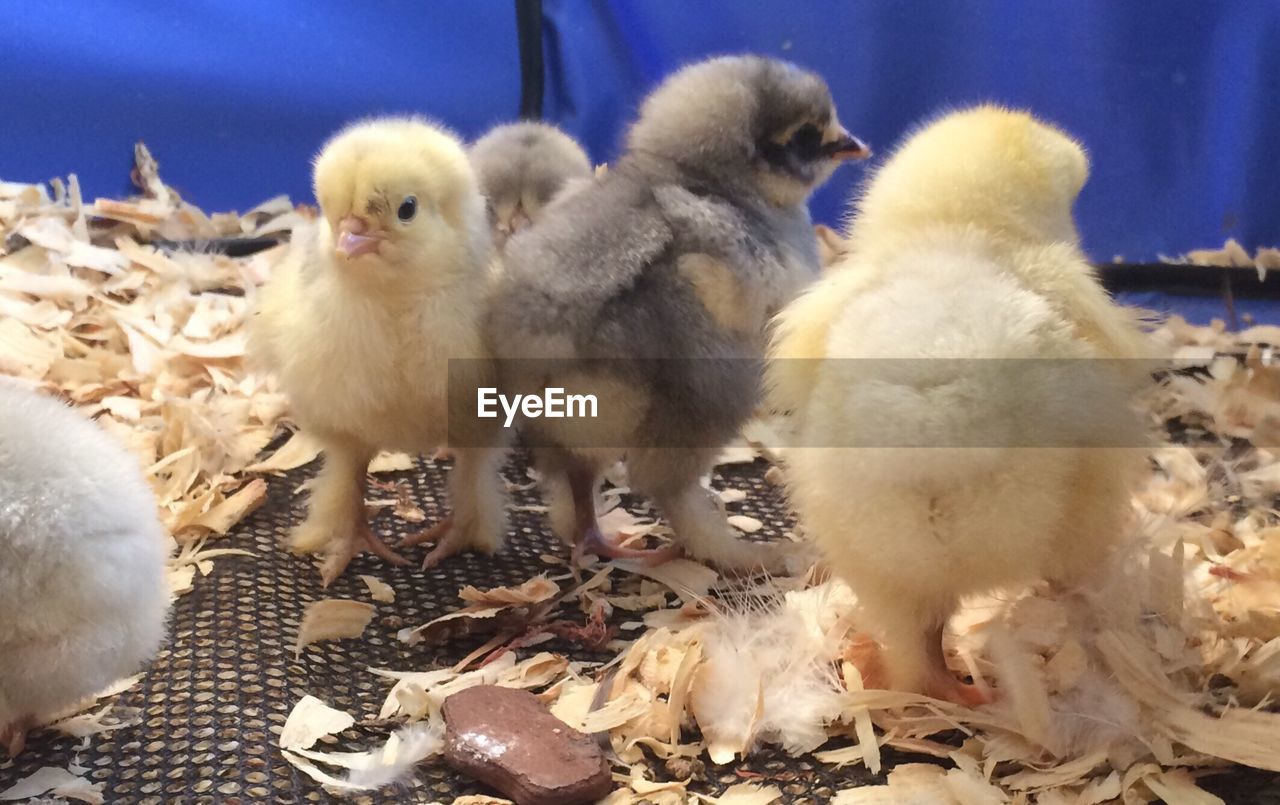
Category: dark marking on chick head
[746,120]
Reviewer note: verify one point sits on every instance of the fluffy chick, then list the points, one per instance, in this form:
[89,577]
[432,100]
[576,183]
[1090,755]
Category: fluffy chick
[963,249]
[362,319]
[651,287]
[82,562]
[521,167]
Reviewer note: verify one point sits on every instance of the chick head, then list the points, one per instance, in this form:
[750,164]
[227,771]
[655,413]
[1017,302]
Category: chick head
[394,190]
[998,168]
[520,167]
[747,120]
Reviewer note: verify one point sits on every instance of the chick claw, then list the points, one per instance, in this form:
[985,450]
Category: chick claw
[448,542]
[942,684]
[451,545]
[345,549]
[594,542]
[430,534]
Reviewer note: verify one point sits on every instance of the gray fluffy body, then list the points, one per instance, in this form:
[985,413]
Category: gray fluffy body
[653,285]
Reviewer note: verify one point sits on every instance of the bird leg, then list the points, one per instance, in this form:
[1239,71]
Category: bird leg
[596,543]
[670,478]
[589,539]
[14,736]
[477,522]
[910,655]
[357,537]
[431,533]
[448,539]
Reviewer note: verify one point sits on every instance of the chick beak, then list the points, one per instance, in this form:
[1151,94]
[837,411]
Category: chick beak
[519,220]
[847,147]
[353,238]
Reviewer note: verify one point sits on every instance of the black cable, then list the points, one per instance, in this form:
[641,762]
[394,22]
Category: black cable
[532,75]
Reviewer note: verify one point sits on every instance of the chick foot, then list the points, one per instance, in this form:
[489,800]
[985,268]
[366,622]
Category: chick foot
[597,544]
[455,539]
[939,683]
[449,541]
[430,534]
[343,549]
[863,652]
[14,736]
[587,537]
[942,684]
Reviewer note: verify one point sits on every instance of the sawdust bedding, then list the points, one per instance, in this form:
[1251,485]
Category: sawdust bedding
[1155,684]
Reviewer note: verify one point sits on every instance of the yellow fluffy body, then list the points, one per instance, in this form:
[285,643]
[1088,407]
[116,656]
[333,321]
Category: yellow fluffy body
[362,346]
[963,248]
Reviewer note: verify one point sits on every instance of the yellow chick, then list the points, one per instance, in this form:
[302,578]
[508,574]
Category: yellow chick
[361,321]
[959,427]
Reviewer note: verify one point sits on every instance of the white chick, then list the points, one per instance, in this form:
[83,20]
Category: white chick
[521,168]
[926,470]
[373,326]
[82,562]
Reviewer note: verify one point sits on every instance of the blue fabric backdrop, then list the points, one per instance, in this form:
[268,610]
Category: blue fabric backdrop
[1178,101]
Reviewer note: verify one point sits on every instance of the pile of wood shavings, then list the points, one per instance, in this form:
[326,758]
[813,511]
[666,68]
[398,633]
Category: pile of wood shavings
[1233,255]
[148,343]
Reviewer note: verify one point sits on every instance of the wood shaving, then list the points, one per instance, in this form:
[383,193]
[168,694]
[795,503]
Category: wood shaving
[390,462]
[690,580]
[745,523]
[332,619]
[534,591]
[109,719]
[379,590]
[150,344]
[64,783]
[298,451]
[1231,254]
[309,721]
[419,694]
[744,794]
[497,609]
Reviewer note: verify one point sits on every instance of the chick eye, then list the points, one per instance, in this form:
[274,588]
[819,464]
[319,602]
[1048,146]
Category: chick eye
[807,141]
[408,209]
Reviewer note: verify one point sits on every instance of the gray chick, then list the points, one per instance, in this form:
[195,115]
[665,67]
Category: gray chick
[652,286]
[521,167]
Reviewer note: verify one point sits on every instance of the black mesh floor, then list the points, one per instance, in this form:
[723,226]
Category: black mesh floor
[214,700]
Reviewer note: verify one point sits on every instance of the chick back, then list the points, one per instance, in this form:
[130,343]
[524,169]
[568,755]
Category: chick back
[609,285]
[959,431]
